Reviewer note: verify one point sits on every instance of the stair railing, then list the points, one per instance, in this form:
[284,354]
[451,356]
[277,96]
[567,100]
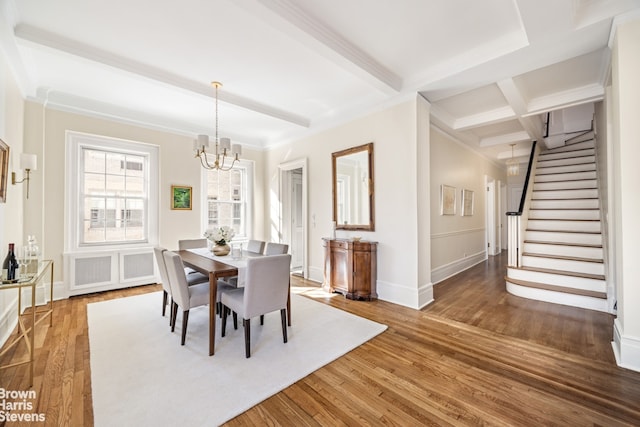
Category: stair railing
[517,221]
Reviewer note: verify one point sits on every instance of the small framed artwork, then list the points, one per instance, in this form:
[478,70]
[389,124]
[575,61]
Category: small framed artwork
[180,197]
[467,203]
[4,170]
[447,200]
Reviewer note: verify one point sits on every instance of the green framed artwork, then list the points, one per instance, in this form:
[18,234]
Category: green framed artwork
[180,197]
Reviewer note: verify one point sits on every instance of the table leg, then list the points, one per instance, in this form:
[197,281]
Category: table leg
[213,290]
[32,350]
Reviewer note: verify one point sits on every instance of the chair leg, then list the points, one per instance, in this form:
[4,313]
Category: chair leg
[185,320]
[235,320]
[283,315]
[164,302]
[223,327]
[247,337]
[262,319]
[174,314]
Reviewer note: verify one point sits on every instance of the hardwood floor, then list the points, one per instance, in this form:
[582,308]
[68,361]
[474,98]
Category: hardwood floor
[477,355]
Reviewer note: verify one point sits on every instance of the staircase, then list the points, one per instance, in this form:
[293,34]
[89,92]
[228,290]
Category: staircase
[562,254]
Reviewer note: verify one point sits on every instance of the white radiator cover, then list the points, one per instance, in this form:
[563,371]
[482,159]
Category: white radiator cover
[105,270]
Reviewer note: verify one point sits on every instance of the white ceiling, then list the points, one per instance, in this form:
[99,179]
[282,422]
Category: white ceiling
[489,68]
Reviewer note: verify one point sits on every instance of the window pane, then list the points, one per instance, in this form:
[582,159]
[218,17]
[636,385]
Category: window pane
[135,186]
[119,215]
[227,199]
[94,161]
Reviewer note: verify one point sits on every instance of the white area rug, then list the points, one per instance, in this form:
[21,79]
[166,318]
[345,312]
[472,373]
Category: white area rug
[141,375]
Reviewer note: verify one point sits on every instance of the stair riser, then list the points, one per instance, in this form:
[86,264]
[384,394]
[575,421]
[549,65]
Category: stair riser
[565,162]
[553,225]
[559,280]
[590,214]
[565,169]
[572,147]
[565,194]
[565,185]
[565,204]
[566,176]
[564,265]
[588,303]
[566,155]
[577,238]
[563,250]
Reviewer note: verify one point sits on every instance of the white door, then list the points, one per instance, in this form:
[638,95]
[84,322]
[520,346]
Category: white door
[297,224]
[491,218]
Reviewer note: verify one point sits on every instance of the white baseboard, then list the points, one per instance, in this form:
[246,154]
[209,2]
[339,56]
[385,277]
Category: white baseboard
[395,293]
[444,272]
[8,321]
[625,349]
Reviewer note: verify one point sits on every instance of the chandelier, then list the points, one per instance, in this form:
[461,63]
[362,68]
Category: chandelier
[224,151]
[513,166]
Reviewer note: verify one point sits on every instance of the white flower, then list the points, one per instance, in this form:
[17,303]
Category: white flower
[221,235]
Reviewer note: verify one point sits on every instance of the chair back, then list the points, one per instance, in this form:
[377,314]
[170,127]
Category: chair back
[255,246]
[192,244]
[162,269]
[177,278]
[276,249]
[266,288]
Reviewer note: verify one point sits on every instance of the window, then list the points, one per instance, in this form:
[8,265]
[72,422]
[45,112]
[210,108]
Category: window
[109,184]
[228,199]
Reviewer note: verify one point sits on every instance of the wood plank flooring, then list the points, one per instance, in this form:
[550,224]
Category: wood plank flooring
[477,355]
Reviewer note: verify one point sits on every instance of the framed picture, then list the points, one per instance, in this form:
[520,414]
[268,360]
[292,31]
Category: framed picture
[447,200]
[467,203]
[4,170]
[180,197]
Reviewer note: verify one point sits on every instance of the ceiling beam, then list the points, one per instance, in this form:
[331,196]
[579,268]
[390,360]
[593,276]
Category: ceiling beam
[284,14]
[43,39]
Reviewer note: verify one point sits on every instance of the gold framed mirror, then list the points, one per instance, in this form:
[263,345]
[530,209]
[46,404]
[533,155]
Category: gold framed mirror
[353,189]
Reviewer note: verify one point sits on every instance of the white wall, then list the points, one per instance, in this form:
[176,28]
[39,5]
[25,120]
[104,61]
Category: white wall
[458,242]
[11,125]
[626,152]
[394,134]
[177,167]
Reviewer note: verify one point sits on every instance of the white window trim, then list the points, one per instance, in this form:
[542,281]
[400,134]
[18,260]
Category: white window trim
[75,142]
[248,165]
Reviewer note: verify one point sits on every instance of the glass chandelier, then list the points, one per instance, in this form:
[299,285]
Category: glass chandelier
[224,151]
[513,166]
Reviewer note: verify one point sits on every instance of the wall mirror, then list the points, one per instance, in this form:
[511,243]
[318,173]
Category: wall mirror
[353,191]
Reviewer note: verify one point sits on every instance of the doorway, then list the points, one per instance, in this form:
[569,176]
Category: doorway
[293,213]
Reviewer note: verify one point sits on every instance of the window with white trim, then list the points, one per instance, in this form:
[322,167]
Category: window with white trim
[109,184]
[228,199]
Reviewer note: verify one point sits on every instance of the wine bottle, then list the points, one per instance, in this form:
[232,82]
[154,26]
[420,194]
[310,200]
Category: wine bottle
[10,265]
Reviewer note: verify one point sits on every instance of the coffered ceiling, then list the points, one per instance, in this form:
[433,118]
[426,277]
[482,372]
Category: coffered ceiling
[489,68]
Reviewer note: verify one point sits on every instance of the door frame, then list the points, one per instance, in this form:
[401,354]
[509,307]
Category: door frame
[283,170]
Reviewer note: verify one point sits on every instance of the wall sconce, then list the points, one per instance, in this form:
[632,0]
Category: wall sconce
[28,163]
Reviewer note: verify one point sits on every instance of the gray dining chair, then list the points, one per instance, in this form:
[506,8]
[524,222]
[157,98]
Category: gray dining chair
[184,296]
[192,279]
[276,248]
[192,244]
[184,244]
[266,289]
[255,247]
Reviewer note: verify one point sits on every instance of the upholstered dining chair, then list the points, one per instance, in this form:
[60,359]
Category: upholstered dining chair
[184,244]
[192,244]
[255,247]
[184,296]
[276,248]
[192,279]
[266,289]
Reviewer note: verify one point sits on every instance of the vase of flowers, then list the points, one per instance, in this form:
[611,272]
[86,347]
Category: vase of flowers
[220,237]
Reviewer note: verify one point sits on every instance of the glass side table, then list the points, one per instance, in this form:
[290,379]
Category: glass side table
[26,328]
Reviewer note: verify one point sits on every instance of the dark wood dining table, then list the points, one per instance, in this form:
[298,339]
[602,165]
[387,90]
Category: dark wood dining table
[215,270]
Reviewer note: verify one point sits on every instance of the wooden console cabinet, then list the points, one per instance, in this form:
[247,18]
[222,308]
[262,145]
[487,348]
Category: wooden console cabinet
[350,268]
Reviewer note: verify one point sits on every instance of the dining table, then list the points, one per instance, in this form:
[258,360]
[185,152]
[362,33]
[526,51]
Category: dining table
[219,267]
